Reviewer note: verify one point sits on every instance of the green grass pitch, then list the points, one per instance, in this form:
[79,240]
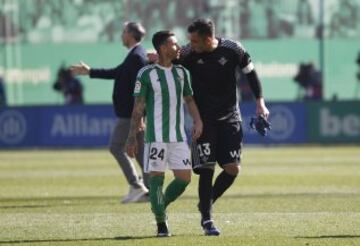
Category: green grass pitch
[284,196]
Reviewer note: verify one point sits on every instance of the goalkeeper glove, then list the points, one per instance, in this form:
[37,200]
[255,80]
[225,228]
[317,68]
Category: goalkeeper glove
[260,124]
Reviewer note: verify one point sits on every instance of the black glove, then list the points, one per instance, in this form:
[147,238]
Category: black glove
[260,124]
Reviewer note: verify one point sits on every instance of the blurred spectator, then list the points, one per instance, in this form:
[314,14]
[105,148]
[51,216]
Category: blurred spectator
[8,31]
[70,86]
[310,79]
[344,22]
[305,23]
[245,20]
[113,23]
[358,63]
[100,20]
[258,24]
[272,20]
[304,13]
[2,93]
[358,76]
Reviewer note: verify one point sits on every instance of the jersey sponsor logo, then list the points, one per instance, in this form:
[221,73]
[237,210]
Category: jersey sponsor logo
[223,61]
[186,162]
[137,87]
[12,127]
[200,61]
[234,154]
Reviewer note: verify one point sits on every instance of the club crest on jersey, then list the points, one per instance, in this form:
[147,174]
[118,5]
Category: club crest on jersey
[204,158]
[137,87]
[200,61]
[223,61]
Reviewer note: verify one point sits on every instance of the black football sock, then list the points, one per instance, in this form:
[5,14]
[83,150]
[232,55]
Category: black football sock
[205,192]
[222,183]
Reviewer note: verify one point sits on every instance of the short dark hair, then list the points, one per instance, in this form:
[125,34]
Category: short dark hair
[204,27]
[160,38]
[136,30]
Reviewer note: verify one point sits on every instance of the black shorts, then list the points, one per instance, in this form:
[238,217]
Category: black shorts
[220,142]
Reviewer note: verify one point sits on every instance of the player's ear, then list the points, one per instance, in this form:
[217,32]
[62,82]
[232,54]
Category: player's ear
[162,48]
[208,40]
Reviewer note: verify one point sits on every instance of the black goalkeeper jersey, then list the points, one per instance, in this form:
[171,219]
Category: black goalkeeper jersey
[213,77]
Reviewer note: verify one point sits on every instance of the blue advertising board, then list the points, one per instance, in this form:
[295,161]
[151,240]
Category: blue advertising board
[288,123]
[91,125]
[56,126]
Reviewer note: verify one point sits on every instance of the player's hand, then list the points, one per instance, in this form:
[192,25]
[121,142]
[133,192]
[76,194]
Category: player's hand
[197,129]
[152,56]
[80,69]
[142,125]
[261,109]
[131,148]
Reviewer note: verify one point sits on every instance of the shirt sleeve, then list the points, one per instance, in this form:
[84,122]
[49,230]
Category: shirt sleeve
[184,54]
[243,57]
[141,84]
[246,64]
[187,85]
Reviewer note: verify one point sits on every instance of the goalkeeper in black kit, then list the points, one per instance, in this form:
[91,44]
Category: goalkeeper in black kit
[212,63]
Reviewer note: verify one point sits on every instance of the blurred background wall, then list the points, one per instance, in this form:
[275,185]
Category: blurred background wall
[39,36]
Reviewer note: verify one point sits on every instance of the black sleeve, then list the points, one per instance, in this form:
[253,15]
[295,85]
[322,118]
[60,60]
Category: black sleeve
[254,83]
[102,73]
[137,62]
[184,53]
[245,60]
[140,62]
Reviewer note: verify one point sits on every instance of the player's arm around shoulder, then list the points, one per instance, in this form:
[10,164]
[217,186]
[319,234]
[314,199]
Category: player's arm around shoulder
[194,112]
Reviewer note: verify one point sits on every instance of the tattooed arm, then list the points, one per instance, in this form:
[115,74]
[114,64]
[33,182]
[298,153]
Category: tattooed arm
[136,120]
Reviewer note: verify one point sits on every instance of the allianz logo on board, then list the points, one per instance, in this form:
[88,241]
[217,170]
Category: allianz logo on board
[76,125]
[12,127]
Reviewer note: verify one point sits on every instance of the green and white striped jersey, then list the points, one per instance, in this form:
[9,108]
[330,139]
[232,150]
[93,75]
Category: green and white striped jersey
[163,89]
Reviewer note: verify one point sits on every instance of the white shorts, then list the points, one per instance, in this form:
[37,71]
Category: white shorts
[158,155]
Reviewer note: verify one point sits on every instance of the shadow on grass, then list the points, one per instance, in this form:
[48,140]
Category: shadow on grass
[116,198]
[120,238]
[58,198]
[24,206]
[81,200]
[330,236]
[56,201]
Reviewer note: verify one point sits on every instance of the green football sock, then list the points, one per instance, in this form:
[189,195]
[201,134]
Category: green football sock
[174,190]
[157,198]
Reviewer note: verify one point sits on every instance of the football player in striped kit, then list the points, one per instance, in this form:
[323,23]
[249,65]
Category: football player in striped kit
[161,90]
